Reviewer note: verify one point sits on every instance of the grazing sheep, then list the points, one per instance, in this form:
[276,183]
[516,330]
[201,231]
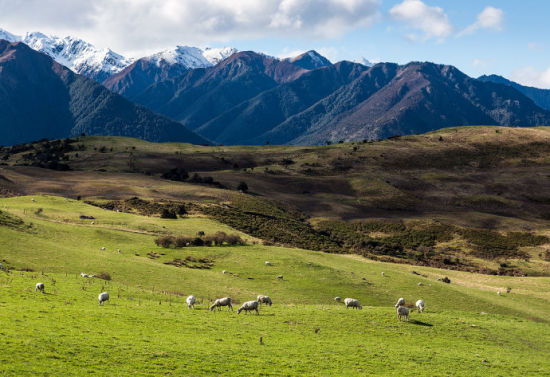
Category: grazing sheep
[419,284]
[498,293]
[226,301]
[402,312]
[400,302]
[93,222]
[338,299]
[191,302]
[224,272]
[267,263]
[103,248]
[32,200]
[248,306]
[118,250]
[104,296]
[84,275]
[352,303]
[420,305]
[382,273]
[280,277]
[264,300]
[39,287]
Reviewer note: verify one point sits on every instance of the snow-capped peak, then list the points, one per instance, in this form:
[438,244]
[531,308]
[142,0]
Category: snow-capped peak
[216,55]
[191,57]
[78,55]
[9,36]
[364,62]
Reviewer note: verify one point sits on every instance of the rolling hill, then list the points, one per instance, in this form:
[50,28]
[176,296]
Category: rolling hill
[444,199]
[42,99]
[146,329]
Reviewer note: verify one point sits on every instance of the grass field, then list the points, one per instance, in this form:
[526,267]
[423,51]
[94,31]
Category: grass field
[146,328]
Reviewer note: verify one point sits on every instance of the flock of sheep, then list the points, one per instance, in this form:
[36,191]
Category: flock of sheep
[402,310]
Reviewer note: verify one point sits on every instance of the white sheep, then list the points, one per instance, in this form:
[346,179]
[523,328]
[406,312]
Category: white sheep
[264,300]
[267,263]
[249,306]
[84,275]
[226,301]
[400,302]
[420,305]
[402,312]
[280,277]
[338,299]
[191,302]
[32,200]
[498,293]
[104,296]
[419,284]
[382,273]
[103,248]
[39,287]
[118,250]
[92,223]
[352,303]
[224,272]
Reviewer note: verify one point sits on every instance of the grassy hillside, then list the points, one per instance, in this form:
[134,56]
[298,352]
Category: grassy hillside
[487,185]
[146,329]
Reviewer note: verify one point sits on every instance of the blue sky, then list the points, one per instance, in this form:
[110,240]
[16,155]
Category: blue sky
[506,37]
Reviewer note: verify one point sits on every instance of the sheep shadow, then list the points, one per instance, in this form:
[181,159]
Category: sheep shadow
[420,323]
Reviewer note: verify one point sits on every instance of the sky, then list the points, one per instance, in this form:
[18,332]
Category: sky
[505,37]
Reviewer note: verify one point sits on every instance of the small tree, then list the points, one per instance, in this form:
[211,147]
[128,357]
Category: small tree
[242,187]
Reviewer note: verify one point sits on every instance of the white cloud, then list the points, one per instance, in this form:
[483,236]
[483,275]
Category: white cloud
[490,18]
[433,22]
[151,24]
[531,76]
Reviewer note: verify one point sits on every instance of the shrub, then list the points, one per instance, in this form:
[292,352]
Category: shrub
[165,241]
[242,187]
[176,174]
[168,214]
[104,276]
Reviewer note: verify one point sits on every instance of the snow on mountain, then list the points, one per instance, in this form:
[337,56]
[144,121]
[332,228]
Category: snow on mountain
[9,36]
[216,55]
[191,57]
[78,55]
[100,64]
[364,62]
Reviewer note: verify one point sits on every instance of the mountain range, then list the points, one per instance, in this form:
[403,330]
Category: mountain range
[540,96]
[251,98]
[231,97]
[40,98]
[100,64]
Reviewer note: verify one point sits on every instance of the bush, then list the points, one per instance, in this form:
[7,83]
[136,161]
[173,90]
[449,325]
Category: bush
[176,174]
[218,239]
[104,276]
[168,214]
[165,241]
[242,187]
